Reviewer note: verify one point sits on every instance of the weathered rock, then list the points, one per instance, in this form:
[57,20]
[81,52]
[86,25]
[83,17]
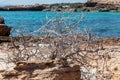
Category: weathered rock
[90,4]
[48,70]
[106,1]
[4,30]
[2,20]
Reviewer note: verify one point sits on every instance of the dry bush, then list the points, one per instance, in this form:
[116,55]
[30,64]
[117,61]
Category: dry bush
[61,38]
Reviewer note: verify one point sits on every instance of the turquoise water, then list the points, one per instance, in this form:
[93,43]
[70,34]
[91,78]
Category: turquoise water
[102,24]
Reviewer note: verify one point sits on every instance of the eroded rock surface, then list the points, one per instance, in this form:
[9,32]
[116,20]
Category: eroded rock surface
[44,70]
[106,1]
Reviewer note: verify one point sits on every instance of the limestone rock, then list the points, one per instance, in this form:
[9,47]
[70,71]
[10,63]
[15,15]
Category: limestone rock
[106,1]
[44,70]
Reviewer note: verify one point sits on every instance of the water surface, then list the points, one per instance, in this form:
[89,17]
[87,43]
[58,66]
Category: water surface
[102,24]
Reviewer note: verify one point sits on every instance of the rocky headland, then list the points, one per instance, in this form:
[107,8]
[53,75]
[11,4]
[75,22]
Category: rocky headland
[90,5]
[115,2]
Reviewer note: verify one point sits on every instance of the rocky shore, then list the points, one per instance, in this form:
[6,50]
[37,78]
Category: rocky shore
[108,60]
[66,7]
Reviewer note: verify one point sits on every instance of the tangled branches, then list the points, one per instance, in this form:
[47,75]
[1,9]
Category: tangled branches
[61,37]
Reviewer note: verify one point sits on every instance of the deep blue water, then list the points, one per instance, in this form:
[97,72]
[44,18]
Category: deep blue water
[102,24]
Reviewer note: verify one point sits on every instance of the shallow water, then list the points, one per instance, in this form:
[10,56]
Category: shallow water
[102,24]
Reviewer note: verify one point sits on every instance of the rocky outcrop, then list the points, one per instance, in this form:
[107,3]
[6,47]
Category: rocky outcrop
[44,70]
[4,29]
[100,7]
[22,8]
[2,20]
[90,5]
[104,5]
[116,2]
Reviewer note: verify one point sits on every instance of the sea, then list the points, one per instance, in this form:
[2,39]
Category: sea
[101,24]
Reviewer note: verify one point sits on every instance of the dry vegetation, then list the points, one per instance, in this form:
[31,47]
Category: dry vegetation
[61,38]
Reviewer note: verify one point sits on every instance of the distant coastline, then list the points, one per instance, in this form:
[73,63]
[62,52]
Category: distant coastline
[65,7]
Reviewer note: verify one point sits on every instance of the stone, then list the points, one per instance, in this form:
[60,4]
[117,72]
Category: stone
[4,30]
[44,70]
[90,4]
[2,20]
